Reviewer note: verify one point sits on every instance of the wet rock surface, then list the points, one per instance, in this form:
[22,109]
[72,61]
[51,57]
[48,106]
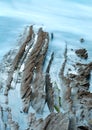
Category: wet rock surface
[82,53]
[49,88]
[27,89]
[77,93]
[51,122]
[33,66]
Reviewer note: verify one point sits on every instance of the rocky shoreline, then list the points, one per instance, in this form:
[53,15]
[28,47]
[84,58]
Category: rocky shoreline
[27,92]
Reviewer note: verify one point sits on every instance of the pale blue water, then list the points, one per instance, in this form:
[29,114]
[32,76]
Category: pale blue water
[68,19]
[9,32]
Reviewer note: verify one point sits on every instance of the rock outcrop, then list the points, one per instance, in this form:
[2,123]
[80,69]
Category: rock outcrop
[53,121]
[31,99]
[76,94]
[49,88]
[34,66]
[17,60]
[82,53]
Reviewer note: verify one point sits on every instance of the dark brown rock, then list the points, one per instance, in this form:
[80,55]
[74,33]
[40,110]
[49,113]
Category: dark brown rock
[83,128]
[56,121]
[49,89]
[17,59]
[82,53]
[34,66]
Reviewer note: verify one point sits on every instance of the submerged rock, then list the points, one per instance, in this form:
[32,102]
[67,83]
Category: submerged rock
[82,40]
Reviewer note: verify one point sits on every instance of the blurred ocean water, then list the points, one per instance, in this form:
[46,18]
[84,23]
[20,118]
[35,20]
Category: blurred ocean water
[68,19]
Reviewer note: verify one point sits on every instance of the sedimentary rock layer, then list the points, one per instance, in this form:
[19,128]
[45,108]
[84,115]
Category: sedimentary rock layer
[17,60]
[34,66]
[76,98]
[49,89]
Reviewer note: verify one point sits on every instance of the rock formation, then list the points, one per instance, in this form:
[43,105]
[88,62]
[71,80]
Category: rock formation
[51,122]
[29,97]
[76,96]
[82,53]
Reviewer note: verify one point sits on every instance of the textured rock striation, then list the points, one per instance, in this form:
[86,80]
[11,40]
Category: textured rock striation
[49,88]
[51,122]
[34,66]
[76,96]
